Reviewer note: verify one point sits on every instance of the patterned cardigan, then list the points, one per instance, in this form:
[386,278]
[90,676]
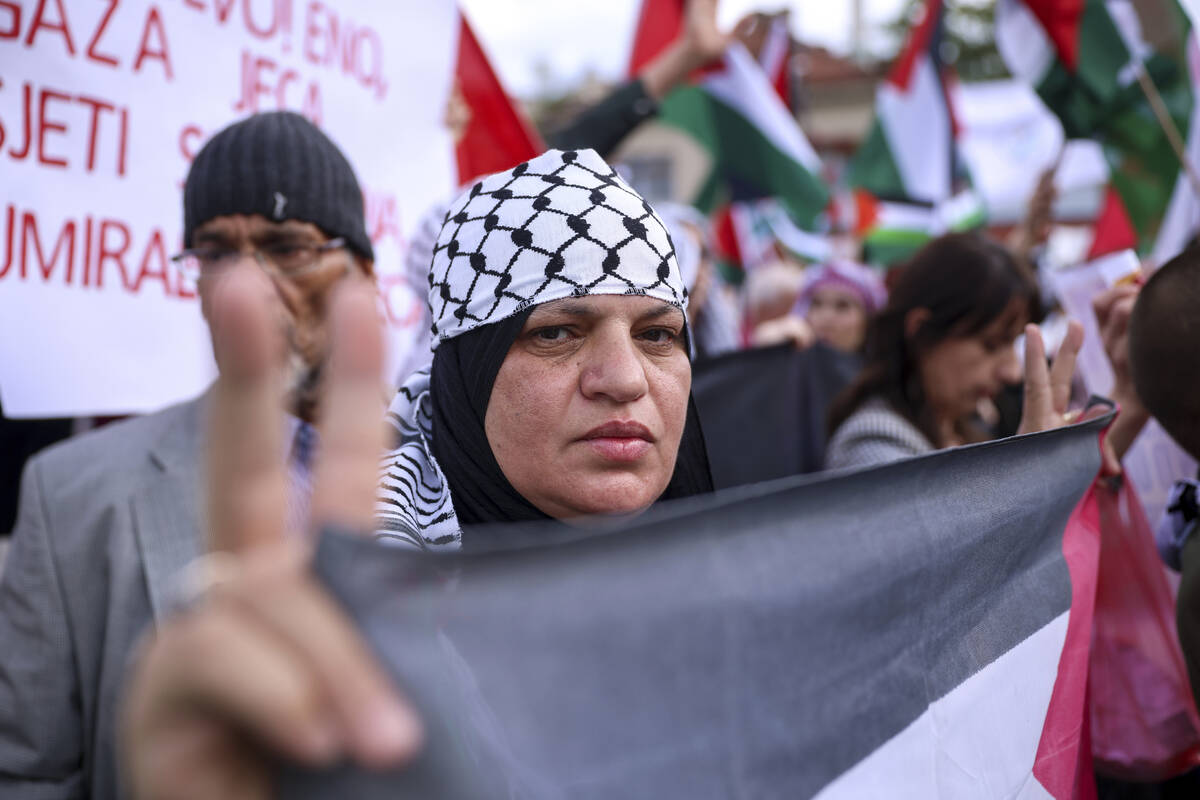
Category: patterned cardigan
[874,434]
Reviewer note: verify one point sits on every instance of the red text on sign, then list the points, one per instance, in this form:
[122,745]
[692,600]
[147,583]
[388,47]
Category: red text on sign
[84,253]
[267,87]
[356,50]
[49,20]
[47,130]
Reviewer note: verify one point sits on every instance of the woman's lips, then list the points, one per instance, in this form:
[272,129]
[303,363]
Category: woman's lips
[619,441]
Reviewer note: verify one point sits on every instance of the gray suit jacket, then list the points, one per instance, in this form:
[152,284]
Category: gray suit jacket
[105,522]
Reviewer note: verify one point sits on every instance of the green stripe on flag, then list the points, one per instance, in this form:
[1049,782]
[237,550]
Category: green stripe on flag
[887,247]
[874,167]
[741,151]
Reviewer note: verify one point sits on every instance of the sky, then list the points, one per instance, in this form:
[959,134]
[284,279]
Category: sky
[569,38]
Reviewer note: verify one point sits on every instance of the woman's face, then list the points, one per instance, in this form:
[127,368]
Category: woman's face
[958,372]
[588,409]
[838,318]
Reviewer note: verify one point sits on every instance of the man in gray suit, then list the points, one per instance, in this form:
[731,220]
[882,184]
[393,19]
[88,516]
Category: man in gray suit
[107,520]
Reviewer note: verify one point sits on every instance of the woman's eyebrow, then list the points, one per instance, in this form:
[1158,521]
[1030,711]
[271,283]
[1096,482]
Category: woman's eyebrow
[570,307]
[662,311]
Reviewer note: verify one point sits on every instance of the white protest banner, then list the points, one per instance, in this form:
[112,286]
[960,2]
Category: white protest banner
[102,107]
[1154,462]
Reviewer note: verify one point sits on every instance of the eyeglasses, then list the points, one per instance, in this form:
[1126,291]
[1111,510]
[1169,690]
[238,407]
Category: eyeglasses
[285,259]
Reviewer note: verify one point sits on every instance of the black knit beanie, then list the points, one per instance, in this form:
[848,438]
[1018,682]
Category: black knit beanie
[279,165]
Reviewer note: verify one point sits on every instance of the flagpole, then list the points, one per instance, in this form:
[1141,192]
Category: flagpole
[1159,107]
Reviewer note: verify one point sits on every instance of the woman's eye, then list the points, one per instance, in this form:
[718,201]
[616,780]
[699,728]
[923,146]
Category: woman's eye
[554,334]
[659,335]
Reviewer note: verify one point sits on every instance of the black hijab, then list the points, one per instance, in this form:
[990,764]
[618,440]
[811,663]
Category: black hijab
[463,372]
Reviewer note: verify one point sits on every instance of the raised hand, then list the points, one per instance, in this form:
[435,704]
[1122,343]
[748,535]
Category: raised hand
[1048,390]
[1113,309]
[264,662]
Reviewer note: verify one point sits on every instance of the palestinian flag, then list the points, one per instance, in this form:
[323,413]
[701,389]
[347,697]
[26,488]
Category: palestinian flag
[748,234]
[733,111]
[490,132]
[909,153]
[893,231]
[906,172]
[1084,58]
[911,631]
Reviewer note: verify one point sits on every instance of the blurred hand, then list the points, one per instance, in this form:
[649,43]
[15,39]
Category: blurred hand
[1041,206]
[1113,309]
[787,328]
[701,36]
[699,42]
[266,663]
[1035,228]
[1047,391]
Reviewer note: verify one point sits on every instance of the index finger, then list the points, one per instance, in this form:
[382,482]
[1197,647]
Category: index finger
[1063,368]
[352,426]
[1037,375]
[246,489]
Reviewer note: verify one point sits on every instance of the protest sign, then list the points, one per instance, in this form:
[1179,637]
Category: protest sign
[914,630]
[102,107]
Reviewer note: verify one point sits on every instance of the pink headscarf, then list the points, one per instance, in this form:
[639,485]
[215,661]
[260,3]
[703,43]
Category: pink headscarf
[861,281]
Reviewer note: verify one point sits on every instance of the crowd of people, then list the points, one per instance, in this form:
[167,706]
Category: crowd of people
[564,316]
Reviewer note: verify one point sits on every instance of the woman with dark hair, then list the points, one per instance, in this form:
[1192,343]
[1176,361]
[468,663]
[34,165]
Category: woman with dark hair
[943,344]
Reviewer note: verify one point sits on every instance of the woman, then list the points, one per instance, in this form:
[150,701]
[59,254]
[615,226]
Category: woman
[943,344]
[559,388]
[837,301]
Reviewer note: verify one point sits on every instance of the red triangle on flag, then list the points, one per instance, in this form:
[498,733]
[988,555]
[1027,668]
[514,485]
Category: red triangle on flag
[490,133]
[866,211]
[1114,229]
[918,44]
[725,238]
[1061,20]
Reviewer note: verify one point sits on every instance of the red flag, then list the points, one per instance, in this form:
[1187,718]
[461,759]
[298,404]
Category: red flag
[658,24]
[490,133]
[1114,229]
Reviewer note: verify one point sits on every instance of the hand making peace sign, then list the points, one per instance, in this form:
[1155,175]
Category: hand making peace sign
[264,660]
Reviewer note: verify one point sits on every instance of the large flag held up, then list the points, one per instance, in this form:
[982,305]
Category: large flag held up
[734,113]
[915,630]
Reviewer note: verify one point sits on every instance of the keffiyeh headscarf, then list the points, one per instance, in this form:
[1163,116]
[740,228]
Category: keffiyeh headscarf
[561,225]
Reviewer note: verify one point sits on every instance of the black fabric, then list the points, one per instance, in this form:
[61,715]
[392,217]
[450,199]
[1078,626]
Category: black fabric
[460,385]
[604,125]
[755,643]
[461,379]
[19,440]
[279,165]
[764,411]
